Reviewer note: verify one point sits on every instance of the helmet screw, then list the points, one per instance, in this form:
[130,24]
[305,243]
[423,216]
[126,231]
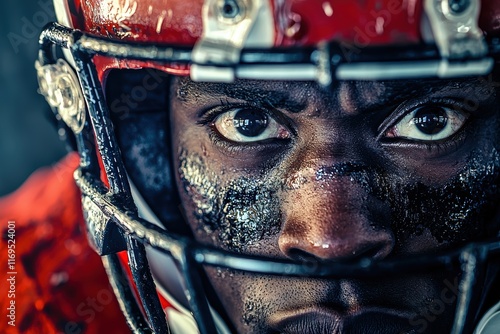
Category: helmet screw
[458,6]
[61,88]
[229,9]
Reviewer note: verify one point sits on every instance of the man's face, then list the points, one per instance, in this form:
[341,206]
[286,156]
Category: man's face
[369,169]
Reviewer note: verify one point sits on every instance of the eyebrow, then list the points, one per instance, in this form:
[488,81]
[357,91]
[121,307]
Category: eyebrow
[409,88]
[250,93]
[399,91]
[256,93]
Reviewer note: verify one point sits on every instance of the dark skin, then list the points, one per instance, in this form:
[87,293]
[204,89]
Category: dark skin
[330,176]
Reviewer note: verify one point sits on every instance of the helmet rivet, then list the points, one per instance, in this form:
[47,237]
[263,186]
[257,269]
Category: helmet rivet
[61,88]
[458,6]
[230,11]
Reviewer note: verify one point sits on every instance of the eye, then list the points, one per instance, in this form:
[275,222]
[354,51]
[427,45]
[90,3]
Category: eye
[428,123]
[245,125]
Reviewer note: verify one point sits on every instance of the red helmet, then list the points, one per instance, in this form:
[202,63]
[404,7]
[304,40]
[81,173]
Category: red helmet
[221,40]
[432,34]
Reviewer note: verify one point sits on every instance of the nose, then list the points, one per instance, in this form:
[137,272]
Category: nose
[334,219]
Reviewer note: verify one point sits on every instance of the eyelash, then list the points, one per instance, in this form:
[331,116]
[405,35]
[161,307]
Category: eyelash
[405,108]
[435,146]
[208,116]
[449,144]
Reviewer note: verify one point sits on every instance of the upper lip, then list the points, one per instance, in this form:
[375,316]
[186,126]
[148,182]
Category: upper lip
[316,320]
[307,320]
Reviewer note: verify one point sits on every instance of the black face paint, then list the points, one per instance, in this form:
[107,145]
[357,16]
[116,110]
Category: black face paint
[454,209]
[241,213]
[454,212]
[247,210]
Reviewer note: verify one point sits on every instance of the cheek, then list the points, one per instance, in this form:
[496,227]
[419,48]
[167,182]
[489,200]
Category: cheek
[234,212]
[457,211]
[241,211]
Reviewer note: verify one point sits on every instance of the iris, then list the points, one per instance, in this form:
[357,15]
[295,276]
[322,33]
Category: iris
[430,120]
[250,123]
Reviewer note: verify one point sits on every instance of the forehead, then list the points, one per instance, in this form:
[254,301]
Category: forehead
[348,95]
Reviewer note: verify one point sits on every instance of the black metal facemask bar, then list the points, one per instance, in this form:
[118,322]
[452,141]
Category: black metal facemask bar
[325,63]
[192,256]
[468,258]
[112,218]
[119,192]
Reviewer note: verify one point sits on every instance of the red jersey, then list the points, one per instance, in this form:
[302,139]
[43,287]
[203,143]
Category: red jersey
[52,281]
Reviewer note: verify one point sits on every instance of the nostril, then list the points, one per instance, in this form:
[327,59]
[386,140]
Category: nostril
[369,252]
[373,251]
[301,256]
[334,241]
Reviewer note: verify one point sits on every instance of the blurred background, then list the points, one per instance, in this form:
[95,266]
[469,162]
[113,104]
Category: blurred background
[28,138]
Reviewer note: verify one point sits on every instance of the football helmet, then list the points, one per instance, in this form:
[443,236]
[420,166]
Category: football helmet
[220,41]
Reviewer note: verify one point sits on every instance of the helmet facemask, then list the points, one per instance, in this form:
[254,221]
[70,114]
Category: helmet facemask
[113,222]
